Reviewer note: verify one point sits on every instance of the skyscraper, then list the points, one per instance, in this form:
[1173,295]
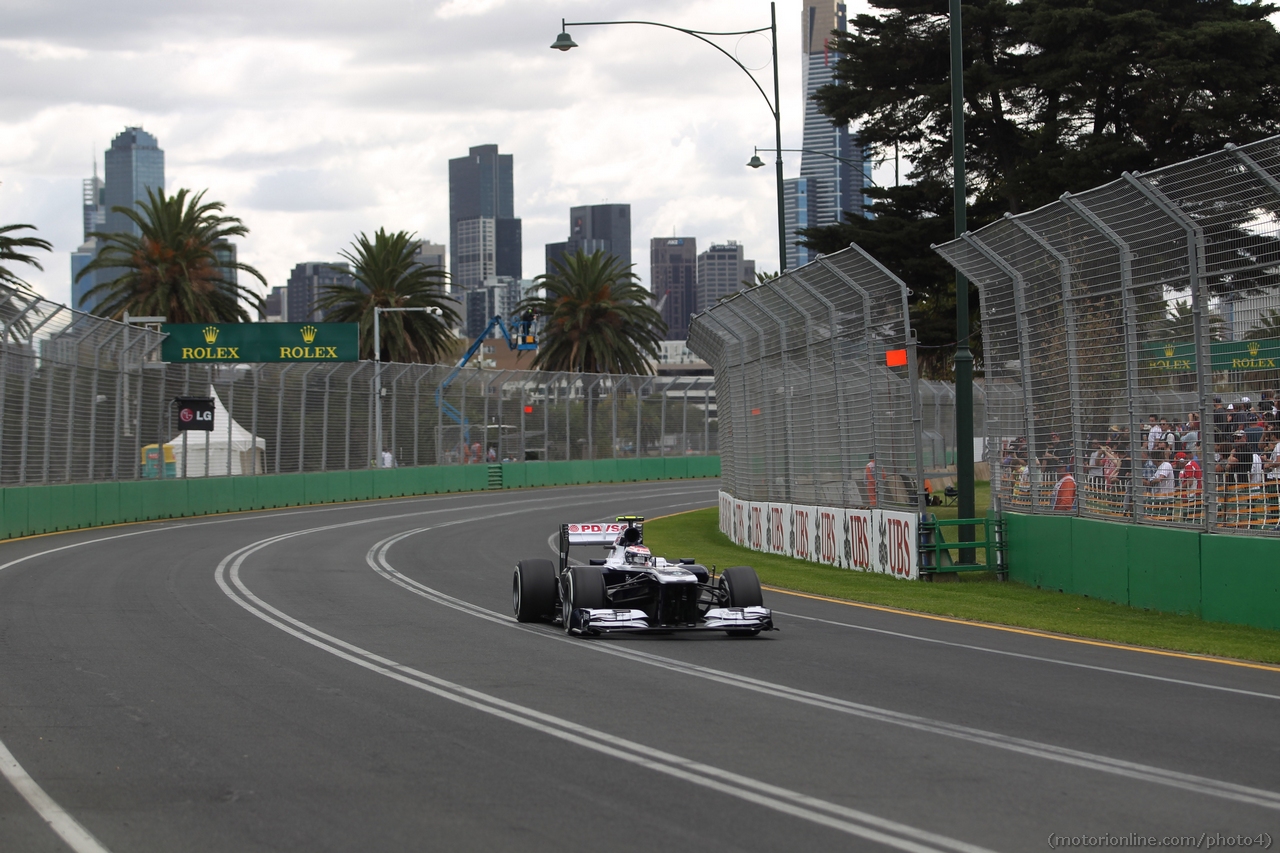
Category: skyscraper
[134,164]
[94,203]
[484,233]
[306,285]
[430,254]
[722,269]
[827,188]
[796,210]
[594,228]
[673,263]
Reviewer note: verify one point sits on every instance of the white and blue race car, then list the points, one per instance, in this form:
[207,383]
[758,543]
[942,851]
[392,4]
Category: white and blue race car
[630,590]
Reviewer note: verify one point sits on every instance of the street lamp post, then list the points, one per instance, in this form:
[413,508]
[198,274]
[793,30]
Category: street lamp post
[563,43]
[377,374]
[964,357]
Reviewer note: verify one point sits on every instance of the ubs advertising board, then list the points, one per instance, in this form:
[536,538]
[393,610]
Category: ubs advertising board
[868,540]
[251,343]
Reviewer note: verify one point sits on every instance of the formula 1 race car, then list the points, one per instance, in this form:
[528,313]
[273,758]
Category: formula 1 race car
[630,590]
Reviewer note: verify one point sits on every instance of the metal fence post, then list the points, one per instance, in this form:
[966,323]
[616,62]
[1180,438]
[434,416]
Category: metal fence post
[871,366]
[324,421]
[846,444]
[1204,358]
[280,416]
[741,429]
[788,478]
[1065,269]
[613,391]
[1024,356]
[913,380]
[788,390]
[302,418]
[1130,339]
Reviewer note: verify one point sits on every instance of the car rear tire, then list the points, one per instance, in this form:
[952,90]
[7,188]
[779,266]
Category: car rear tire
[742,587]
[584,588]
[533,590]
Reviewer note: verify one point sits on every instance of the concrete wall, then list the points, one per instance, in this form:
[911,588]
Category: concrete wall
[1218,577]
[31,510]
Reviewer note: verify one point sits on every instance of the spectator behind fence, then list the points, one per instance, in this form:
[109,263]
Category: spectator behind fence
[1190,476]
[1235,459]
[1154,432]
[1064,493]
[870,477]
[1161,482]
[1096,462]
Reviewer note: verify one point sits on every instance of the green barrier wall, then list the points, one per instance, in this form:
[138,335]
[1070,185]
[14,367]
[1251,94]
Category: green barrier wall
[1217,576]
[31,510]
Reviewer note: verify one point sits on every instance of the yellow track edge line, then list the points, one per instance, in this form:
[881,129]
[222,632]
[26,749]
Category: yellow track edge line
[1030,632]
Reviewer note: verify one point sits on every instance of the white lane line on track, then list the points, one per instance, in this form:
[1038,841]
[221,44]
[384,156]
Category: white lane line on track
[62,823]
[376,558]
[68,828]
[832,815]
[162,527]
[1039,658]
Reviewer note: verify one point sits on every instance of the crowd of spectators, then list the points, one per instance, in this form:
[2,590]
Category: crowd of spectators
[1172,460]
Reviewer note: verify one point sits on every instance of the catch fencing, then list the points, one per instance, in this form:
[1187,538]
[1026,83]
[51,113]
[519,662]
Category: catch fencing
[1156,294]
[86,399]
[815,376]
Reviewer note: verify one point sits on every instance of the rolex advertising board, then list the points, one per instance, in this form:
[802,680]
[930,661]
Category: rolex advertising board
[1223,355]
[250,343]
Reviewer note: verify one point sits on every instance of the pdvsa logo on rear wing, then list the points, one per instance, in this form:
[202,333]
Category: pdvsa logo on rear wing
[594,533]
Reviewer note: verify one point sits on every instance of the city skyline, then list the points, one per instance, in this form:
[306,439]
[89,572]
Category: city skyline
[377,143]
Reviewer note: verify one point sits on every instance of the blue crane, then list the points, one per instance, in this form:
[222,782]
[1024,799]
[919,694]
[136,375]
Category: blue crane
[525,341]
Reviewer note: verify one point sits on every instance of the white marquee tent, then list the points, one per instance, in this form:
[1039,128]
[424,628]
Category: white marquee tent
[228,449]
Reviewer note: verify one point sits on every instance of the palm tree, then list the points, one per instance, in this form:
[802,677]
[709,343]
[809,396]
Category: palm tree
[17,291]
[387,276]
[1268,326]
[598,318]
[1179,324]
[10,251]
[760,278]
[172,267]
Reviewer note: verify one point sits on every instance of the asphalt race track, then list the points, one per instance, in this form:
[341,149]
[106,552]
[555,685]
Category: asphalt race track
[350,678]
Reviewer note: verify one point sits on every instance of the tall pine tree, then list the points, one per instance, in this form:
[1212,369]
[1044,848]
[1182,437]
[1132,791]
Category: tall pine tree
[1060,95]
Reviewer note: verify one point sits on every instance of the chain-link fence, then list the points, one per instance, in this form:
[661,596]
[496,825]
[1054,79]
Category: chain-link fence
[83,399]
[814,372]
[1139,324]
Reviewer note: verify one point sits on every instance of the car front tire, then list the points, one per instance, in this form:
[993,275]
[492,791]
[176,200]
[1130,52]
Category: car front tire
[584,588]
[742,587]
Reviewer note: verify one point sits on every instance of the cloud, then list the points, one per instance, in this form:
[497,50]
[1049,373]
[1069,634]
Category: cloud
[309,190]
[314,120]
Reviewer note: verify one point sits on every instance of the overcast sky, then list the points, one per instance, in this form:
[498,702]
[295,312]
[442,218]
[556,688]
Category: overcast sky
[316,120]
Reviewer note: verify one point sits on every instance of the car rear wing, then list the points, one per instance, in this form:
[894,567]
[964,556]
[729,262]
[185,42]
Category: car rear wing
[601,533]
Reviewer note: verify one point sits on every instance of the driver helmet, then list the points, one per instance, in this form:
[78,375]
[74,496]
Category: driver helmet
[637,555]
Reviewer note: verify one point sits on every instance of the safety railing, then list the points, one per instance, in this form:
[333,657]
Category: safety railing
[85,399]
[1134,322]
[815,374]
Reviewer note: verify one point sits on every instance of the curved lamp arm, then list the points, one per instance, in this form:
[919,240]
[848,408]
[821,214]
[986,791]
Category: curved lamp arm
[563,42]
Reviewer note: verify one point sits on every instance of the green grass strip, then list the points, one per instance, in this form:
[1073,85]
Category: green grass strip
[974,595]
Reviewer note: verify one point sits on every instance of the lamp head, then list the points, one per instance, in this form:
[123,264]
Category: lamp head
[563,42]
[755,162]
